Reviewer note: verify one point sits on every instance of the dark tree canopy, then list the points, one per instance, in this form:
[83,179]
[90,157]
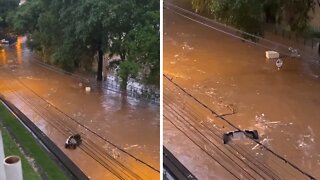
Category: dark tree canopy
[70,33]
[6,6]
[249,15]
[296,13]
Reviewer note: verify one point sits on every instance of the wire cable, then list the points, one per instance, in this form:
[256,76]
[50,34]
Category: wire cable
[217,138]
[173,8]
[228,170]
[190,114]
[88,129]
[235,127]
[67,131]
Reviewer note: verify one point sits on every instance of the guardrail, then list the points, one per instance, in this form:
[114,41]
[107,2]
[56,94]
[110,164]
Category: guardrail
[174,167]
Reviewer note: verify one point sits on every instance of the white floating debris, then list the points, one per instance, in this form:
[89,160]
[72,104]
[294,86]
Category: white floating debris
[132,146]
[115,154]
[255,147]
[272,54]
[273,122]
[279,63]
[265,142]
[302,144]
[88,89]
[80,84]
[294,52]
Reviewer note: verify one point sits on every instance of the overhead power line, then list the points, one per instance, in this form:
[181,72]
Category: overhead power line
[237,128]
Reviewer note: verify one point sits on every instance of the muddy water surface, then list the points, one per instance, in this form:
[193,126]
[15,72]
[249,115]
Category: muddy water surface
[226,73]
[46,96]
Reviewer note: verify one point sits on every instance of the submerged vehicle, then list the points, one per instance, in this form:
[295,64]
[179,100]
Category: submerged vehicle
[237,135]
[73,141]
[8,39]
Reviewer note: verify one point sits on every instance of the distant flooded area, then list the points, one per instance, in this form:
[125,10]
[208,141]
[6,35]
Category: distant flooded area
[59,105]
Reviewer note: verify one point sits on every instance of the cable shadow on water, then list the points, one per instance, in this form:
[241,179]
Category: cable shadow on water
[191,120]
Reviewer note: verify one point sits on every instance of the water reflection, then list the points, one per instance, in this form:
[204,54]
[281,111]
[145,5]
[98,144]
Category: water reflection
[19,50]
[124,120]
[224,72]
[3,56]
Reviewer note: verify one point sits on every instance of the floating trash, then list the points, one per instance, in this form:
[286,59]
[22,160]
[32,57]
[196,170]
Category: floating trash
[279,63]
[185,46]
[88,89]
[265,141]
[294,52]
[272,54]
[132,146]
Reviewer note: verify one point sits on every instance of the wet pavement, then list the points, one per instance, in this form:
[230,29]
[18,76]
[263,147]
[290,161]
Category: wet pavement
[235,79]
[57,104]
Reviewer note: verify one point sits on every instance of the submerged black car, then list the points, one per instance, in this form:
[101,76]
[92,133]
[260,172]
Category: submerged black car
[73,141]
[8,39]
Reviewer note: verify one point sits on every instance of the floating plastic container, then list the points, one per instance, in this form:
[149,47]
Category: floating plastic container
[88,89]
[272,54]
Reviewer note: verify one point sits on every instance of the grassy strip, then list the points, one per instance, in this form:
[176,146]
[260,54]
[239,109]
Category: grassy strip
[11,148]
[26,140]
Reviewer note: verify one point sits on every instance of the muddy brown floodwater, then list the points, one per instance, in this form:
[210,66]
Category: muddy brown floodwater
[59,106]
[227,74]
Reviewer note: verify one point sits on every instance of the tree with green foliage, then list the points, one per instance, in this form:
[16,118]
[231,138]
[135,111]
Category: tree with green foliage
[296,14]
[249,15]
[6,6]
[271,10]
[128,69]
[143,43]
[24,20]
[88,22]
[71,33]
[242,14]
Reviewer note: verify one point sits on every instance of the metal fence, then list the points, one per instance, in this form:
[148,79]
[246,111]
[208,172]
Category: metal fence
[133,89]
[112,83]
[309,42]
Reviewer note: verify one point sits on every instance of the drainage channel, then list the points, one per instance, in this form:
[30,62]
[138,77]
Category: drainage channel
[68,166]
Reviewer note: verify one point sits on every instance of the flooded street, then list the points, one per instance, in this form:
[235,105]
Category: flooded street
[59,106]
[234,79]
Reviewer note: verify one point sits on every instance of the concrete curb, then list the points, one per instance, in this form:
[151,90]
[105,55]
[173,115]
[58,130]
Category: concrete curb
[174,166]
